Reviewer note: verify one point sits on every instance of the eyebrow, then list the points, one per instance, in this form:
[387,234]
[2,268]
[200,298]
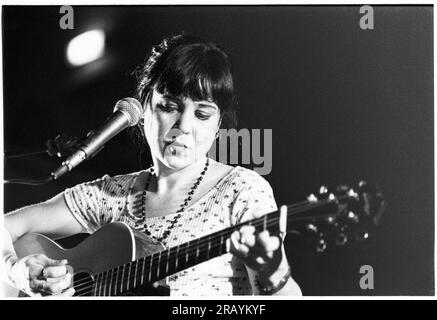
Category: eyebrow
[207,104]
[201,103]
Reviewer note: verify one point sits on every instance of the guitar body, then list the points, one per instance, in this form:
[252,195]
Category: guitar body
[115,258]
[109,247]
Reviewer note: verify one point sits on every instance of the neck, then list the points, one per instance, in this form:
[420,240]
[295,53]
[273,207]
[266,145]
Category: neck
[169,179]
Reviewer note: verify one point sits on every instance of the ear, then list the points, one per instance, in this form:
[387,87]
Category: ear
[220,121]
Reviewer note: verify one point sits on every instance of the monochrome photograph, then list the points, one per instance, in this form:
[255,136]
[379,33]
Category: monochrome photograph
[217,151]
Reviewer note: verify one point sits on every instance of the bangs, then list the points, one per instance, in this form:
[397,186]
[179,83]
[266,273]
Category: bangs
[197,73]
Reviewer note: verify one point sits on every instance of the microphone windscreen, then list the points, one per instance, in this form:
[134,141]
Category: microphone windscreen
[130,107]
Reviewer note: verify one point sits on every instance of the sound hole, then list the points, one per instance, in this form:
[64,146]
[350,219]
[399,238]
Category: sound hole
[83,284]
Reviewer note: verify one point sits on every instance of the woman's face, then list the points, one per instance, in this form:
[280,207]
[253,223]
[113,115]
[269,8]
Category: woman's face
[179,131]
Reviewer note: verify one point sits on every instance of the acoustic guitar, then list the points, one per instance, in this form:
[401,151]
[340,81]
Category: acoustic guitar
[117,260]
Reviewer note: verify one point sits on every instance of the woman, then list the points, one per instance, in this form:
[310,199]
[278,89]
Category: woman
[186,89]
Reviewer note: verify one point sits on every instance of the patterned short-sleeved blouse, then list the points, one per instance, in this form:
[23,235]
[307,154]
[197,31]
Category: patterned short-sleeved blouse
[234,198]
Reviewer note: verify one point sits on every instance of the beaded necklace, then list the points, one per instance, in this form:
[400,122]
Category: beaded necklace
[182,206]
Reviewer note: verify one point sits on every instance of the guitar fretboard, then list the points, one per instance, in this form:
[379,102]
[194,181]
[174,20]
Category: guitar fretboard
[159,265]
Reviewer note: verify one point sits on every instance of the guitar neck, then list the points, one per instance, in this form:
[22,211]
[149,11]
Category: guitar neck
[159,265]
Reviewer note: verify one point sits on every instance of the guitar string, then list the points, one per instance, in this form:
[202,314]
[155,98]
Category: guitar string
[89,289]
[103,287]
[290,207]
[111,273]
[202,247]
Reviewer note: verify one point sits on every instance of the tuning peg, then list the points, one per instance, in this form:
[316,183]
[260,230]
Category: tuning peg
[330,220]
[321,245]
[323,190]
[341,239]
[351,193]
[312,198]
[311,227]
[352,216]
[362,236]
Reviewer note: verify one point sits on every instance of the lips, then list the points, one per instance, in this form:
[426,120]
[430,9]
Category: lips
[176,144]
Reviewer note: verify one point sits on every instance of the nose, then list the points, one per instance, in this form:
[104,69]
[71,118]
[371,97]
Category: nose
[185,122]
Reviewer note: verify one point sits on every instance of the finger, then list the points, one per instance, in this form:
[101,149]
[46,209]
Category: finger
[54,272]
[238,249]
[57,286]
[69,292]
[267,242]
[247,236]
[46,261]
[67,278]
[37,285]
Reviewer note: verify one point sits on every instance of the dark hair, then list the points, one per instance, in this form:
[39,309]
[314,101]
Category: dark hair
[187,66]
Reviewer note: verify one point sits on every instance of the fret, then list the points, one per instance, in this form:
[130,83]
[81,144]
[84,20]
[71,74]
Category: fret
[150,268]
[96,285]
[110,282]
[197,251]
[177,256]
[214,247]
[159,264]
[142,272]
[99,284]
[167,260]
[122,279]
[181,256]
[265,222]
[164,262]
[116,280]
[135,274]
[132,274]
[186,253]
[221,245]
[128,277]
[209,248]
[105,282]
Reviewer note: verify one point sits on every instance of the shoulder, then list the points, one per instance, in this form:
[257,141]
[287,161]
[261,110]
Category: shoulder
[107,181]
[239,180]
[248,179]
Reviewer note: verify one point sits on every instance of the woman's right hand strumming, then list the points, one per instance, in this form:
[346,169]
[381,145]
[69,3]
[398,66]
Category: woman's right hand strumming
[39,275]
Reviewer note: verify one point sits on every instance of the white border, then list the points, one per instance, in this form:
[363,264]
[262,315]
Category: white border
[226,2]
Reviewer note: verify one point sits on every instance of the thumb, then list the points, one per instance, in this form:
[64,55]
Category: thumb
[53,262]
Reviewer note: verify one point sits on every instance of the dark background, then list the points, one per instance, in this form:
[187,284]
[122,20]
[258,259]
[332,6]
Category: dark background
[343,103]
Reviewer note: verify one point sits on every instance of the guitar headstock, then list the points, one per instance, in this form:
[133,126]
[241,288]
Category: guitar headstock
[342,215]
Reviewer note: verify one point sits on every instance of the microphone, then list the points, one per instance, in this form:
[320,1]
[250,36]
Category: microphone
[127,113]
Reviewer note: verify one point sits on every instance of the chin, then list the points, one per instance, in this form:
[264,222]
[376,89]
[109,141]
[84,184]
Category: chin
[177,161]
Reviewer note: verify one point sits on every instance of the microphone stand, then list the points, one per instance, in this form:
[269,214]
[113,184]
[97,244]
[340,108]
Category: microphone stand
[60,146]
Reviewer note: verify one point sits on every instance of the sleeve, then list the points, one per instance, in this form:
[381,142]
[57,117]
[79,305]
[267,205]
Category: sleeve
[85,203]
[254,199]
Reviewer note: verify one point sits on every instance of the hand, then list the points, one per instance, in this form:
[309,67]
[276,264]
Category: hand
[260,252]
[47,276]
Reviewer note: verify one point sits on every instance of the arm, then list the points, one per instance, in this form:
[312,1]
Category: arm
[263,254]
[34,274]
[266,262]
[38,274]
[52,218]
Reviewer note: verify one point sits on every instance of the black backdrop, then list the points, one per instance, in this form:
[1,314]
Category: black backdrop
[343,103]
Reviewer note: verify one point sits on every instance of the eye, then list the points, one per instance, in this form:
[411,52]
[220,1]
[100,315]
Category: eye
[202,115]
[168,107]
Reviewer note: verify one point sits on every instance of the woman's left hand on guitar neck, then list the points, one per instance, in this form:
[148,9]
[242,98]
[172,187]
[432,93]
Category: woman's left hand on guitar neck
[265,258]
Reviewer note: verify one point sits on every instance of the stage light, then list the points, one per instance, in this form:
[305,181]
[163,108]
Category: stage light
[86,47]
